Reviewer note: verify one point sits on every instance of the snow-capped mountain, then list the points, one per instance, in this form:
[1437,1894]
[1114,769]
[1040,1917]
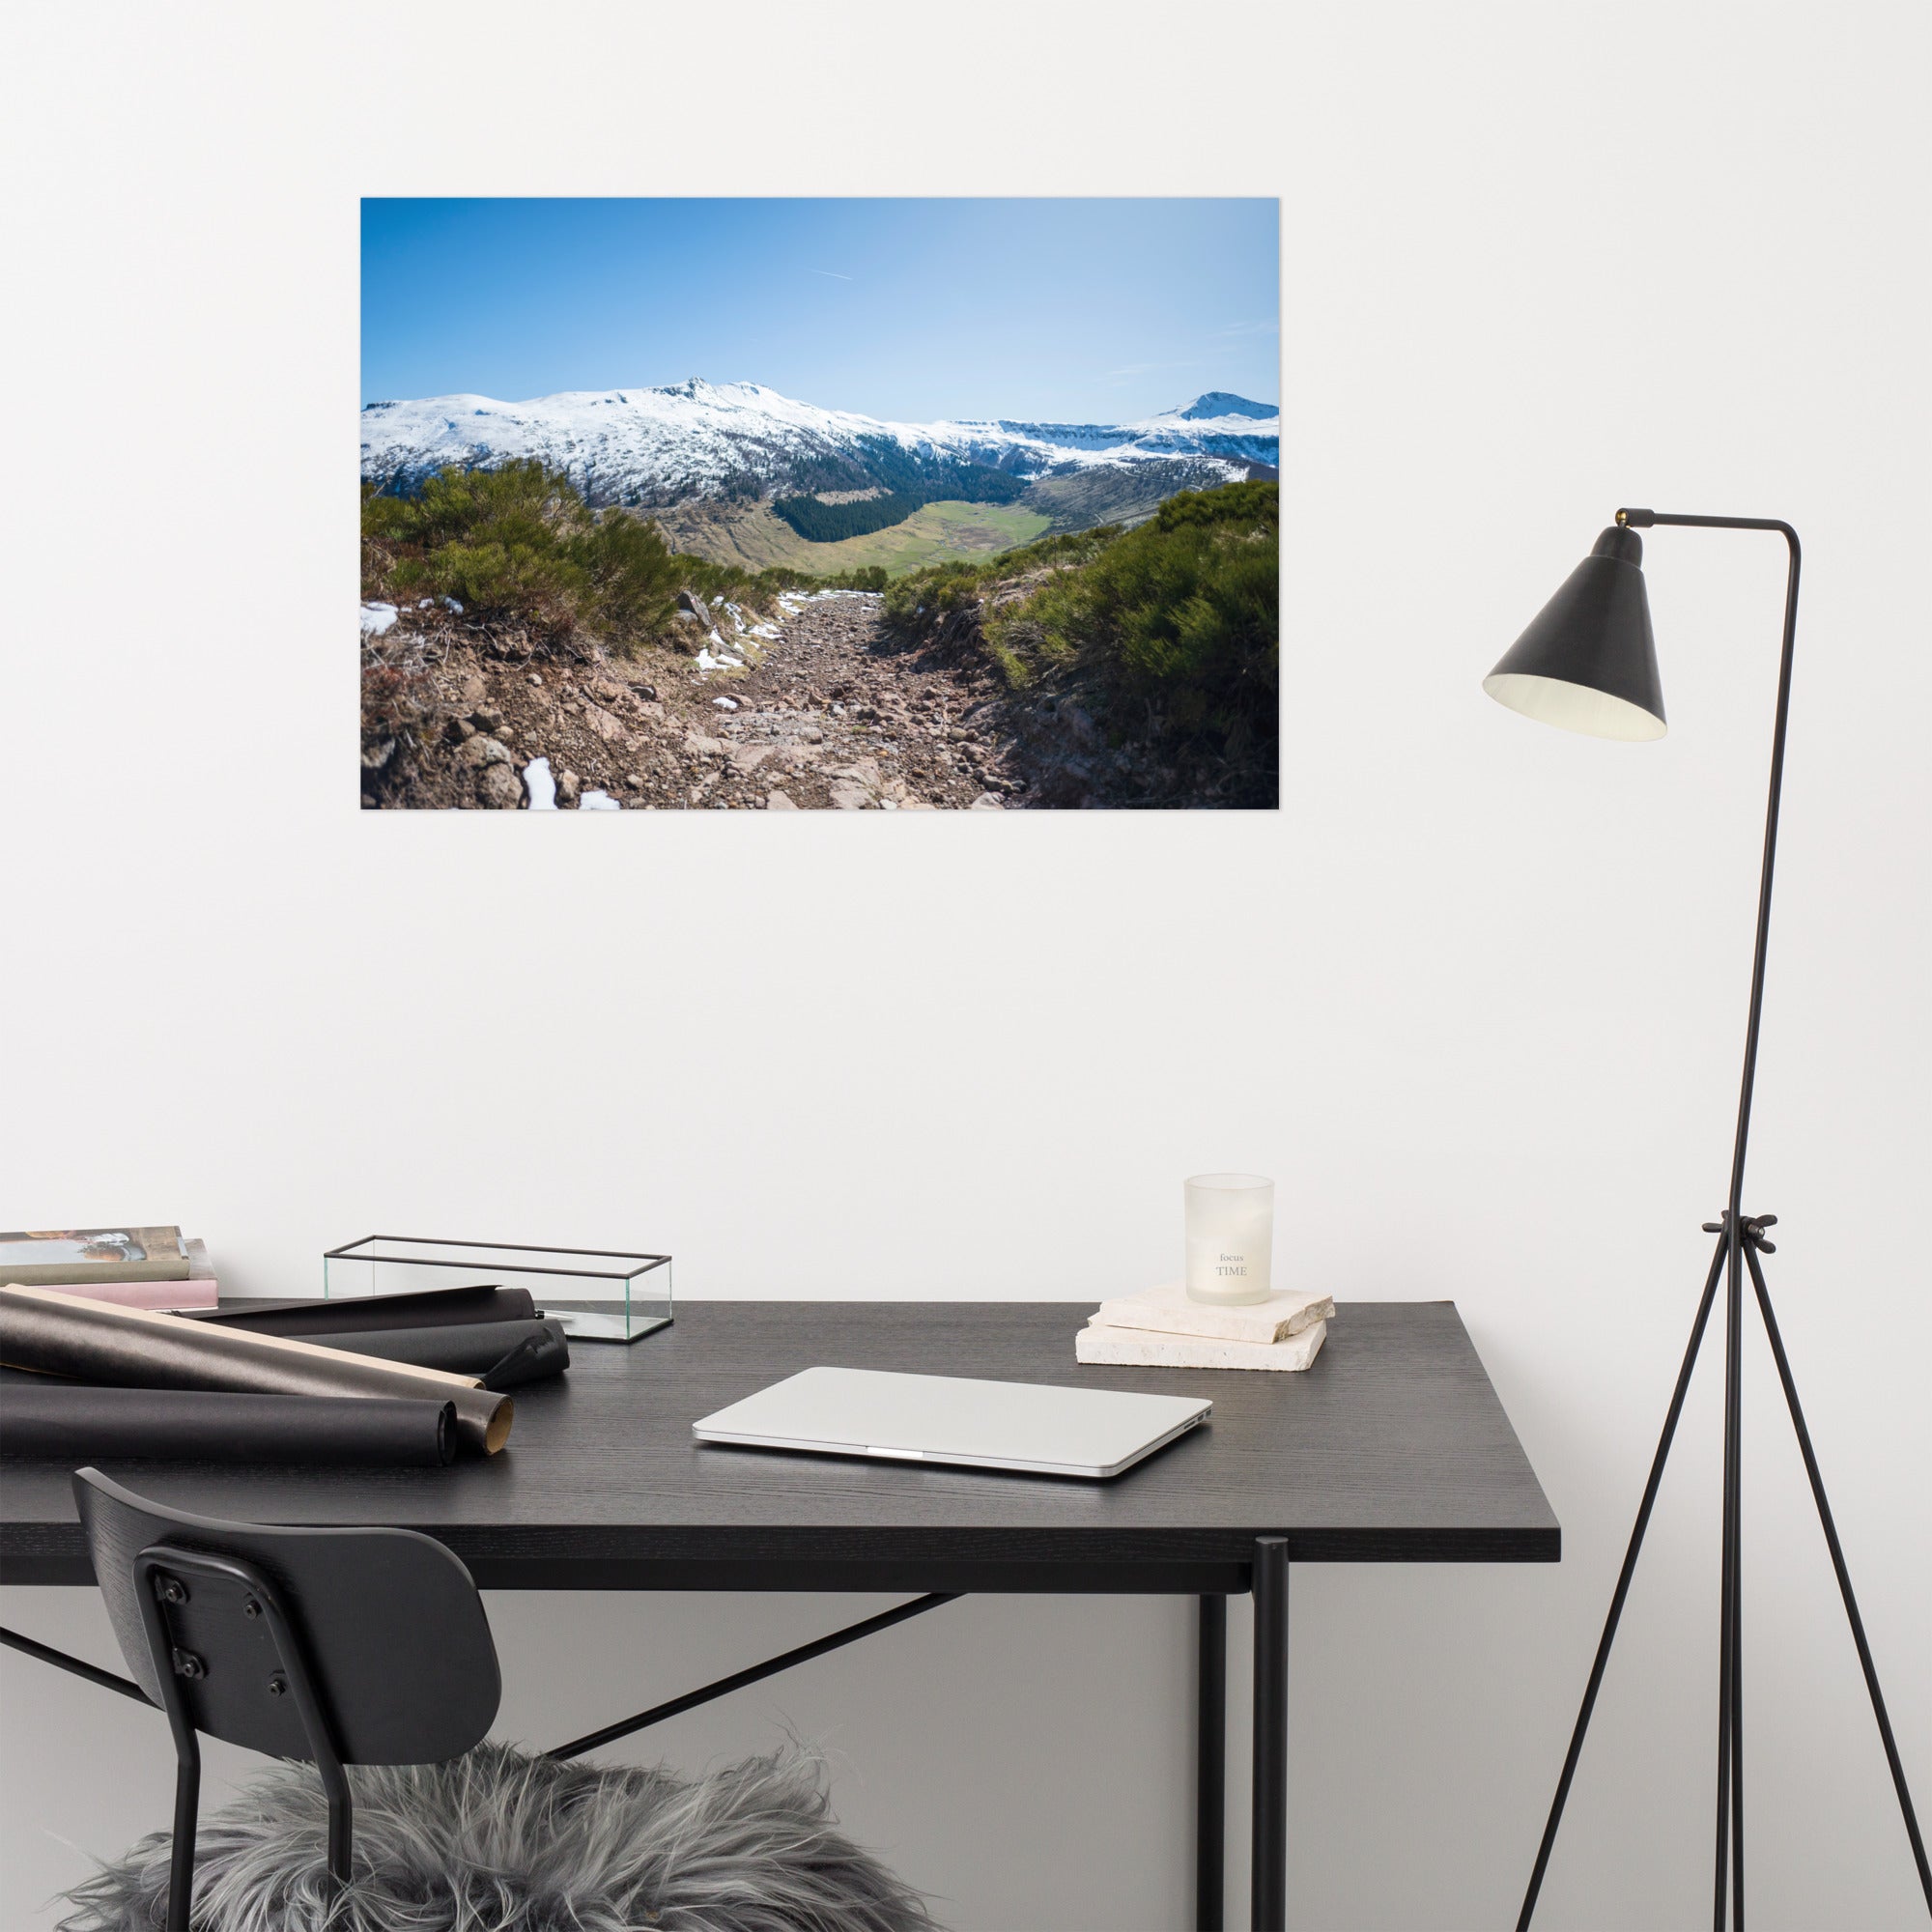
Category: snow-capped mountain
[1218,402]
[697,439]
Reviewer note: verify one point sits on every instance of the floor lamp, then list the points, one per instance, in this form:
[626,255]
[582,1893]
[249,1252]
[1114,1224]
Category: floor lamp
[1588,663]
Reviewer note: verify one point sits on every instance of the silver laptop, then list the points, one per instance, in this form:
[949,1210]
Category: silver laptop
[1044,1431]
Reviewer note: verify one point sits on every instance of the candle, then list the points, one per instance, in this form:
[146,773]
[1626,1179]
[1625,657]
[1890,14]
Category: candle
[1229,1237]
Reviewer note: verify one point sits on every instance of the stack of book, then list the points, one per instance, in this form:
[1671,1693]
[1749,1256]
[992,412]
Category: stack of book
[132,1268]
[1162,1329]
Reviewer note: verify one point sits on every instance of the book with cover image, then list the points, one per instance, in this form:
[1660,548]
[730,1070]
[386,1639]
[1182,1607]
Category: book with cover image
[53,1257]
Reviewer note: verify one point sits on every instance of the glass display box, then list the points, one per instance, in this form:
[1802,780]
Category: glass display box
[599,1296]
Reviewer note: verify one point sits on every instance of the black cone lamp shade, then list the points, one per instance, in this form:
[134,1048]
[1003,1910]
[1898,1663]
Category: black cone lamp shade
[1588,661]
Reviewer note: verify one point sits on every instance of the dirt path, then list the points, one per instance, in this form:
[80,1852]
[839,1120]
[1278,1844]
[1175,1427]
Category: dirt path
[836,713]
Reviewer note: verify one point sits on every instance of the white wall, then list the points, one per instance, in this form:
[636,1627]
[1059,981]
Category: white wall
[1475,994]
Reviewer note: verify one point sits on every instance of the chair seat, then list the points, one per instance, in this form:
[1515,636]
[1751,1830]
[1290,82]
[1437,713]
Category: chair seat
[499,1842]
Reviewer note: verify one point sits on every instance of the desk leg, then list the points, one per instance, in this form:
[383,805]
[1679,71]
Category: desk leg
[1210,1767]
[1269,1892]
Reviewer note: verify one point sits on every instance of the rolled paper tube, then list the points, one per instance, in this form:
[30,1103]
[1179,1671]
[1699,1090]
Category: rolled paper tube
[364,1314]
[136,1347]
[464,1349]
[68,1422]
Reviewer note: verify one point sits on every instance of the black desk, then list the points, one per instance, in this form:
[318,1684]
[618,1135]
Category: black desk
[1392,1448]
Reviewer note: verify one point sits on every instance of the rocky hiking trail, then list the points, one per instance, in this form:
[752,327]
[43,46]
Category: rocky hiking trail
[819,707]
[833,713]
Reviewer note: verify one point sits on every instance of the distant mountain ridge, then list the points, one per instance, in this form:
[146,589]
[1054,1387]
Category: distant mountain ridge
[653,447]
[1219,403]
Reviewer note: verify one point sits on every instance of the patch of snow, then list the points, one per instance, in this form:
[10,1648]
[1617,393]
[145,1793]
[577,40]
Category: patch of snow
[423,603]
[797,600]
[598,801]
[377,618]
[706,662]
[450,603]
[765,631]
[725,703]
[541,787]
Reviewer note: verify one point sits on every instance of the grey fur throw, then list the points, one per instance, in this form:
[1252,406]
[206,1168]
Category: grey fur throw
[495,1841]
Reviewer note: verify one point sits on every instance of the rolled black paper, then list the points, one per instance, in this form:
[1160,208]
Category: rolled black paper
[524,1363]
[68,1422]
[466,1348]
[137,1348]
[364,1314]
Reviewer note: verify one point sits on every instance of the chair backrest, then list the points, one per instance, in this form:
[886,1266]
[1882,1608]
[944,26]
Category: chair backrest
[390,1630]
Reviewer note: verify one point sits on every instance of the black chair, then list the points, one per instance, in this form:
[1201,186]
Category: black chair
[371,1647]
[329,1646]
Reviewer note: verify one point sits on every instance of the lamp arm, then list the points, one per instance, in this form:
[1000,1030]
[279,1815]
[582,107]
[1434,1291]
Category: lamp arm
[1644,520]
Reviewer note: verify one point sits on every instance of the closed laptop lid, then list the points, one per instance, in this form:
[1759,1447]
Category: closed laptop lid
[954,1419]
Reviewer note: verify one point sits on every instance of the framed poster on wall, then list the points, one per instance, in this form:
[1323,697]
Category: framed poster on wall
[859,504]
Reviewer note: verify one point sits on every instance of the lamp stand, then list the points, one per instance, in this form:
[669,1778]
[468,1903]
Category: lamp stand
[1741,1241]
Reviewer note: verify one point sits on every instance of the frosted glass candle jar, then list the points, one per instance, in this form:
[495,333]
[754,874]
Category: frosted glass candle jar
[1229,1237]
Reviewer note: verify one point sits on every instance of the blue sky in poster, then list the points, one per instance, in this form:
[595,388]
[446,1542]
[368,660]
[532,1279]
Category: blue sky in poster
[1060,310]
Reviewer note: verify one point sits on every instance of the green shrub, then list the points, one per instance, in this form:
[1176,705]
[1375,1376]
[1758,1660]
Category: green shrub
[633,575]
[496,540]
[955,582]
[1177,622]
[519,542]
[1182,615]
[939,586]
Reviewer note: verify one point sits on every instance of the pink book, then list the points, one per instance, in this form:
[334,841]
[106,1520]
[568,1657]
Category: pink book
[160,1295]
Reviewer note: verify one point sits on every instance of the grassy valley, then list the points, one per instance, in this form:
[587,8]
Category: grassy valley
[749,536]
[897,533]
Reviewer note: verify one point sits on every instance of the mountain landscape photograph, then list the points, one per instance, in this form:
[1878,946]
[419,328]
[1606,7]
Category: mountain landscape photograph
[925,505]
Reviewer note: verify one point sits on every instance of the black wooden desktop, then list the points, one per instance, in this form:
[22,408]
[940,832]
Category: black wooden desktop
[1392,1447]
